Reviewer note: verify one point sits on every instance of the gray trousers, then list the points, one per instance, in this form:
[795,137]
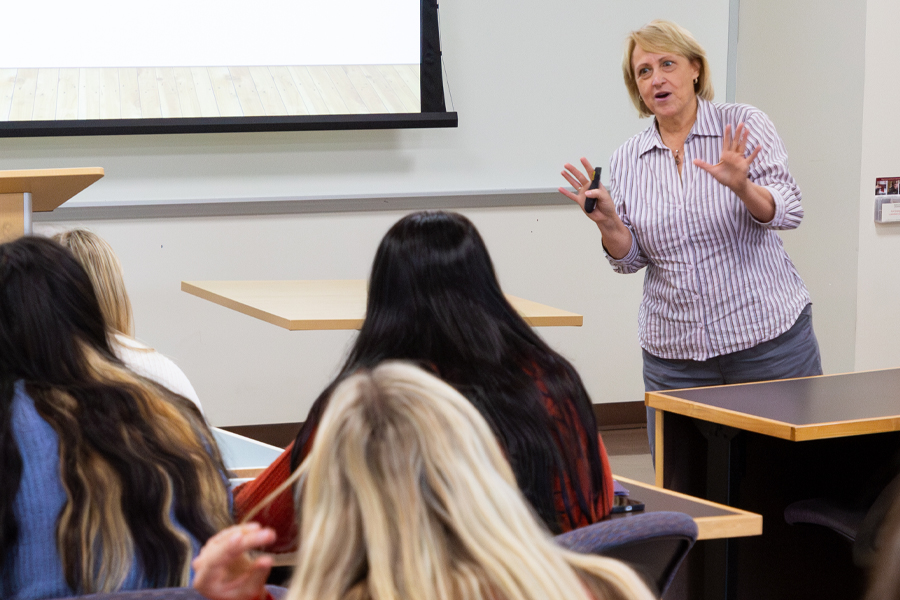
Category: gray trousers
[794,353]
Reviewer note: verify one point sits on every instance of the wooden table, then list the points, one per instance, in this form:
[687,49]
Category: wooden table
[330,304]
[714,521]
[762,446]
[247,458]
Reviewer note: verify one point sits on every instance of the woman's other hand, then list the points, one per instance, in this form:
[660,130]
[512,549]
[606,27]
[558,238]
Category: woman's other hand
[733,171]
[616,237]
[225,570]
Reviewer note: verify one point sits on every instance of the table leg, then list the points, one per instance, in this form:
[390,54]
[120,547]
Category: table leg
[721,487]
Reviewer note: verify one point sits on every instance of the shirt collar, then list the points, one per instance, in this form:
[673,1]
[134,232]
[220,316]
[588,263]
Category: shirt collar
[708,123]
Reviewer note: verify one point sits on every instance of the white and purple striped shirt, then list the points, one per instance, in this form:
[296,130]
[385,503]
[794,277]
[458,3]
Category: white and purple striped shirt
[718,281]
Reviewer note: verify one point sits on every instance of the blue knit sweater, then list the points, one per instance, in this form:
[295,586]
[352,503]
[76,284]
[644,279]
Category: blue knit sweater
[33,569]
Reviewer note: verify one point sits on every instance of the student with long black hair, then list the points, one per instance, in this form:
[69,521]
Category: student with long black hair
[434,299]
[110,481]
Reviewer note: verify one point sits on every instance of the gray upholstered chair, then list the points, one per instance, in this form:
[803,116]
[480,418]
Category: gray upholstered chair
[858,523]
[654,544]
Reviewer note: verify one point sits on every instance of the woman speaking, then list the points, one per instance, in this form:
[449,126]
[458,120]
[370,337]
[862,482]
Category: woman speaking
[696,199]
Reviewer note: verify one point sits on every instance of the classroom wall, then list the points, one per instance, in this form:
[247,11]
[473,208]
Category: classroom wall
[878,332]
[536,84]
[247,371]
[803,63]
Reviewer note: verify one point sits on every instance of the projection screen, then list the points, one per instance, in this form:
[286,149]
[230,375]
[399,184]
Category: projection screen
[101,67]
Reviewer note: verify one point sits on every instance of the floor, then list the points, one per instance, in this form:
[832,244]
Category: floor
[629,453]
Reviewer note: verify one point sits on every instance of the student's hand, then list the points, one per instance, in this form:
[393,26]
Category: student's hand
[225,570]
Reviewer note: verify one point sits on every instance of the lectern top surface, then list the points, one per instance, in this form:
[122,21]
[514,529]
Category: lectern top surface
[48,187]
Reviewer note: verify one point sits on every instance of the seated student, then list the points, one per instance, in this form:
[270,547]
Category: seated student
[109,481]
[406,494]
[434,299]
[103,267]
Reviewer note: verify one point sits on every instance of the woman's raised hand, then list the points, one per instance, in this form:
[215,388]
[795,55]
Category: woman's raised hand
[733,167]
[733,170]
[605,209]
[225,570]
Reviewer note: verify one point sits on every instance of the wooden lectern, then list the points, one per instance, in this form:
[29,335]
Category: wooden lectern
[38,190]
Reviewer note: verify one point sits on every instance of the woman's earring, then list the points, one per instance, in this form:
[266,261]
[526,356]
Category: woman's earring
[696,79]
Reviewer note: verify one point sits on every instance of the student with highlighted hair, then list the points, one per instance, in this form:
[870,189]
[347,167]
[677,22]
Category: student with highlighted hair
[110,481]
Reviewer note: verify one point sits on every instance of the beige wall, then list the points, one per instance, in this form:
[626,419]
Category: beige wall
[878,332]
[802,62]
[247,371]
[826,73]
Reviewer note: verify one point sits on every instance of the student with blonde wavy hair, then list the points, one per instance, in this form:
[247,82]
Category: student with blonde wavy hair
[110,481]
[103,267]
[406,494]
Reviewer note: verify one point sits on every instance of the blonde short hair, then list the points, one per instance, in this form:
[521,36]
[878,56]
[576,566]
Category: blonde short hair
[105,271]
[407,494]
[661,37]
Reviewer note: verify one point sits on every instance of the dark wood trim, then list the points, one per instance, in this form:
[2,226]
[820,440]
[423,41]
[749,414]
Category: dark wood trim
[275,434]
[620,415]
[612,415]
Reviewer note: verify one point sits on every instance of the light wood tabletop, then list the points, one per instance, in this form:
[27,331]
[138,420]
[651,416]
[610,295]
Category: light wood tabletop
[331,304]
[49,187]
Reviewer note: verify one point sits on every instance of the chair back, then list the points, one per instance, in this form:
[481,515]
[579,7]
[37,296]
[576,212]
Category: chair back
[858,523]
[164,594]
[654,544]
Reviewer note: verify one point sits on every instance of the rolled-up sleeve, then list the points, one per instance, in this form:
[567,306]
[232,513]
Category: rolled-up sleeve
[631,262]
[770,170]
